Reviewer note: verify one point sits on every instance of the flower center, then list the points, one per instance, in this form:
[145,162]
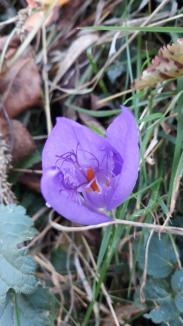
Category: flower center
[90,175]
[82,173]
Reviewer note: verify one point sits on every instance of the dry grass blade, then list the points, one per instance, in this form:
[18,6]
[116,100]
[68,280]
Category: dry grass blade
[75,50]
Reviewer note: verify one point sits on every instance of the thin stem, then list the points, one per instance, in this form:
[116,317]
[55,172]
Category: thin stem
[155,227]
[45,78]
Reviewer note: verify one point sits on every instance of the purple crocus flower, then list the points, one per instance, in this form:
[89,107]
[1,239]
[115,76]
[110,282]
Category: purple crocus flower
[85,174]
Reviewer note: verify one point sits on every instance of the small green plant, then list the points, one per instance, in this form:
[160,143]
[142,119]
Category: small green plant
[163,291]
[22,299]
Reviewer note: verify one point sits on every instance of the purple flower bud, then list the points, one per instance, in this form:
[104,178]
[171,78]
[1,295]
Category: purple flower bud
[85,174]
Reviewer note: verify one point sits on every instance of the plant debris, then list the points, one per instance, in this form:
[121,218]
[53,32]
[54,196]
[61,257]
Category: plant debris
[168,64]
[20,82]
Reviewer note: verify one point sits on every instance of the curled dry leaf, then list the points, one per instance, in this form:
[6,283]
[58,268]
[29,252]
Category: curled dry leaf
[168,64]
[20,83]
[18,137]
[36,16]
[23,142]
[43,3]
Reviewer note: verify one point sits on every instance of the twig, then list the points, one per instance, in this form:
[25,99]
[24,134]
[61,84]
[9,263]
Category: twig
[39,236]
[144,277]
[45,79]
[83,277]
[43,262]
[108,298]
[31,171]
[39,213]
[112,97]
[69,313]
[155,227]
[9,21]
[166,20]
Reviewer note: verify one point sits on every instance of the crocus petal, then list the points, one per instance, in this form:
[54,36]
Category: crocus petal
[122,134]
[99,200]
[60,201]
[66,136]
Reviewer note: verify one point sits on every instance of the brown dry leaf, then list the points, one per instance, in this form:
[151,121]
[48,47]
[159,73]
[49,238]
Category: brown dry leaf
[34,19]
[15,42]
[20,83]
[36,16]
[124,312]
[168,64]
[21,140]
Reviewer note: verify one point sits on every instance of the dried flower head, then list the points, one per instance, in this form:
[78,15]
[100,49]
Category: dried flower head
[167,65]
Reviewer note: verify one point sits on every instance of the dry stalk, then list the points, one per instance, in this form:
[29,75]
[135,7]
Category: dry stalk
[6,194]
[144,277]
[156,227]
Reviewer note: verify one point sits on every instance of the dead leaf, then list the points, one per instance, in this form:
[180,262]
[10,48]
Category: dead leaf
[23,142]
[123,312]
[20,83]
[36,17]
[74,51]
[168,64]
[18,137]
[14,43]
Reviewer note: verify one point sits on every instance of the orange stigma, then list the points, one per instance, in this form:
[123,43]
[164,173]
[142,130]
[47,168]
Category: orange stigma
[90,175]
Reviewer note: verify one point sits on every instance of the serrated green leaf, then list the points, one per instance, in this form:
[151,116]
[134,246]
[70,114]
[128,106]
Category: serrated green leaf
[36,309]
[164,313]
[177,286]
[16,267]
[161,257]
[179,301]
[156,290]
[175,322]
[177,280]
